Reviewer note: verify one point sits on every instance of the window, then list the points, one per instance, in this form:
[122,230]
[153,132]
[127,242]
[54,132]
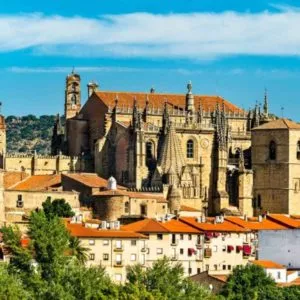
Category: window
[190,237]
[224,267]
[92,256]
[215,248]
[133,257]
[126,207]
[118,277]
[229,267]
[149,150]
[73,99]
[181,251]
[181,236]
[298,150]
[91,242]
[105,256]
[224,248]
[198,270]
[278,275]
[173,238]
[272,150]
[105,242]
[159,236]
[119,244]
[190,271]
[20,201]
[133,242]
[143,209]
[118,259]
[159,250]
[190,149]
[259,201]
[216,267]
[207,267]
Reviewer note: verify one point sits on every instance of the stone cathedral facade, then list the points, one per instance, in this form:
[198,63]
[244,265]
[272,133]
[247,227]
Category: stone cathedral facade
[196,147]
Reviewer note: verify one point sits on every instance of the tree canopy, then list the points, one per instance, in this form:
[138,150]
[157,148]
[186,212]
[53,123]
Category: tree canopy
[57,207]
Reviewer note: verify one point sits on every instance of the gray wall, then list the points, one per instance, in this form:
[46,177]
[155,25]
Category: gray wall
[281,246]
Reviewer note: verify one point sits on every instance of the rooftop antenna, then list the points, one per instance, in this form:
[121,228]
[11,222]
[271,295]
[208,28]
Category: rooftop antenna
[282,110]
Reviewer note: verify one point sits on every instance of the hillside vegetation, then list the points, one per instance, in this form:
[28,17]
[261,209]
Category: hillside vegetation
[29,133]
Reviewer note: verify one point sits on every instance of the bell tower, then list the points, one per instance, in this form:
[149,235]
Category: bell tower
[72,95]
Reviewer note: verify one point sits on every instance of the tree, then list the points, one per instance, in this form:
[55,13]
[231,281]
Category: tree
[77,250]
[250,282]
[58,207]
[163,281]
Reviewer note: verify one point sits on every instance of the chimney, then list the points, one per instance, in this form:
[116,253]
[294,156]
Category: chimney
[245,217]
[92,87]
[260,218]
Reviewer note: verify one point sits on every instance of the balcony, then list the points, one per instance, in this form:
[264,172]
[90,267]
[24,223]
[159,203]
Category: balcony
[118,264]
[199,258]
[118,249]
[144,249]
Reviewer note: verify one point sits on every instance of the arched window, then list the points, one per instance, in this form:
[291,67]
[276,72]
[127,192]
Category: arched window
[272,150]
[149,150]
[190,149]
[298,150]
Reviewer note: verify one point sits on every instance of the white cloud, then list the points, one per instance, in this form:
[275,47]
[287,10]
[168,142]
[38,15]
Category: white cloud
[193,35]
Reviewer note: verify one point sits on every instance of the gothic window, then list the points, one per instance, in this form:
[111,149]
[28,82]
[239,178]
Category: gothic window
[149,150]
[298,150]
[272,150]
[190,149]
[73,99]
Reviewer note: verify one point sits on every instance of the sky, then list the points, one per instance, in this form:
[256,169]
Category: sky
[232,48]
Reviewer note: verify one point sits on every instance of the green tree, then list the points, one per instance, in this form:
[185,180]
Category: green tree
[57,207]
[163,281]
[77,250]
[250,282]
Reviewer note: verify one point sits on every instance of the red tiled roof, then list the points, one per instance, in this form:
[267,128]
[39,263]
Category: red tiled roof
[268,264]
[80,230]
[188,208]
[89,179]
[265,224]
[38,183]
[284,220]
[157,100]
[12,178]
[150,225]
[278,124]
[210,226]
[286,284]
[220,277]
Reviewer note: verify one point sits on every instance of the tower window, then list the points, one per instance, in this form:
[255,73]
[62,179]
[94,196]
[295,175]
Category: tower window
[298,150]
[73,87]
[73,99]
[149,150]
[190,149]
[272,150]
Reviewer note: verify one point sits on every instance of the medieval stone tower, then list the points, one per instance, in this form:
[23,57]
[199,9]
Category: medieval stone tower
[72,96]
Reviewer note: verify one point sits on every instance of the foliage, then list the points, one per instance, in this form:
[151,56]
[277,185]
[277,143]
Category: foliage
[57,207]
[250,282]
[77,250]
[163,281]
[28,133]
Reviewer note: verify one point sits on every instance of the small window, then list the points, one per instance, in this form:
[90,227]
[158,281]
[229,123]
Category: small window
[133,257]
[190,237]
[216,267]
[20,202]
[91,242]
[224,267]
[119,244]
[105,242]
[181,250]
[298,150]
[259,201]
[224,248]
[118,277]
[143,209]
[198,270]
[126,207]
[133,242]
[181,236]
[190,149]
[105,256]
[159,236]
[149,150]
[92,256]
[159,250]
[229,267]
[272,150]
[278,275]
[215,248]
[190,271]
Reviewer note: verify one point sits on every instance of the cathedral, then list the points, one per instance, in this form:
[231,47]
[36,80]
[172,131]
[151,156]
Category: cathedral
[196,149]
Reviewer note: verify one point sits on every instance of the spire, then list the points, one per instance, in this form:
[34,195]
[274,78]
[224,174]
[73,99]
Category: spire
[171,157]
[189,98]
[241,161]
[136,118]
[166,118]
[265,107]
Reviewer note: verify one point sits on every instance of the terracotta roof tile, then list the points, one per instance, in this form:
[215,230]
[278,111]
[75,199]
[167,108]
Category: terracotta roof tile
[157,100]
[150,225]
[286,284]
[220,277]
[12,178]
[278,124]
[89,179]
[188,208]
[268,264]
[80,230]
[284,220]
[38,183]
[210,226]
[265,224]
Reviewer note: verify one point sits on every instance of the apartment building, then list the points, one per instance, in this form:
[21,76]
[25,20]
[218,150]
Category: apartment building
[110,247]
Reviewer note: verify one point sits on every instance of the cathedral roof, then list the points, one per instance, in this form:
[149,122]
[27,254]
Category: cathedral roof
[171,153]
[278,124]
[157,100]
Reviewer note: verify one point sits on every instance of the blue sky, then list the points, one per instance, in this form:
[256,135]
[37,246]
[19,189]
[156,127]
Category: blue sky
[235,49]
